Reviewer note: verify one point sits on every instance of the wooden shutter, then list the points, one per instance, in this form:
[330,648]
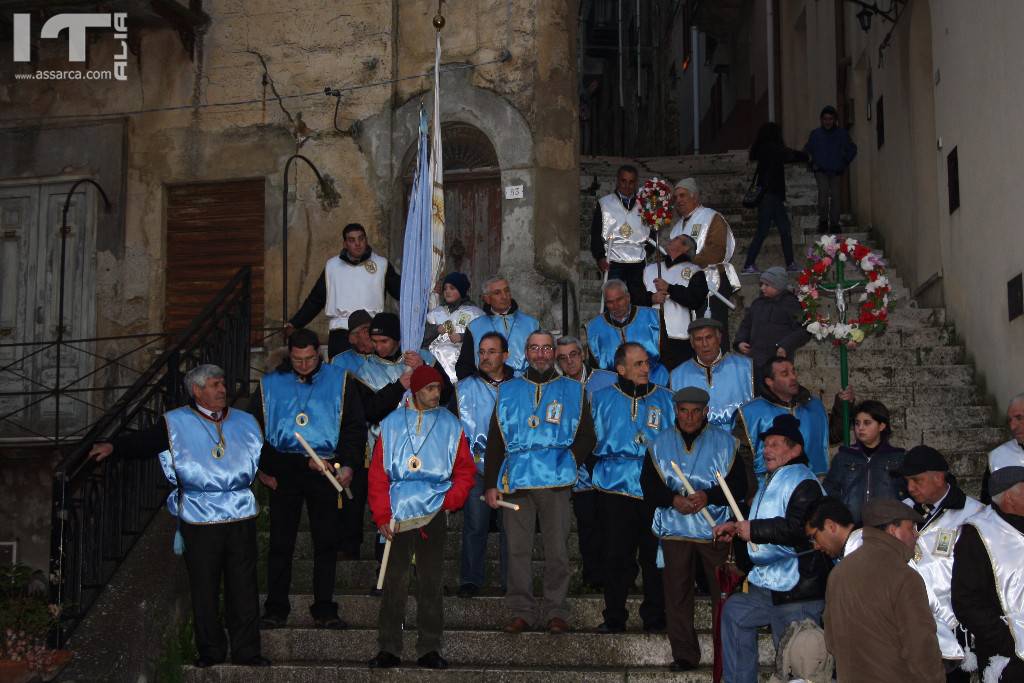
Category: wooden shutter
[213,229]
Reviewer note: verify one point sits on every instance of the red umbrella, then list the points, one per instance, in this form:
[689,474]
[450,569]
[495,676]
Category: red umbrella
[728,581]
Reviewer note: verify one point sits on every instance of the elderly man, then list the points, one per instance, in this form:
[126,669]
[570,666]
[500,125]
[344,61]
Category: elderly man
[786,576]
[783,394]
[830,529]
[628,416]
[715,246]
[355,279]
[540,432]
[474,404]
[314,399]
[617,235]
[421,468]
[360,345]
[1011,452]
[988,575]
[501,315]
[569,357]
[210,453]
[727,377]
[679,289]
[623,322]
[699,450]
[944,509]
[876,605]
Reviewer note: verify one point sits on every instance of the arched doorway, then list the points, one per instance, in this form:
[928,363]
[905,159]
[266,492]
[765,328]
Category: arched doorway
[472,202]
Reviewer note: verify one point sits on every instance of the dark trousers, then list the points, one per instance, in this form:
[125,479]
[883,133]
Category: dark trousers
[828,198]
[772,209]
[351,516]
[337,342]
[633,275]
[285,512]
[681,558]
[588,530]
[476,527]
[428,546]
[954,674]
[215,552]
[626,524]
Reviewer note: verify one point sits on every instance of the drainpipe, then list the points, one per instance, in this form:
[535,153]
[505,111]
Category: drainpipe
[696,62]
[770,30]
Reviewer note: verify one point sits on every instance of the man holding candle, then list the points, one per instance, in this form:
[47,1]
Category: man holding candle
[317,400]
[698,451]
[787,576]
[421,465]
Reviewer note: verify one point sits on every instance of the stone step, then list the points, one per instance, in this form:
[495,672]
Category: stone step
[357,672]
[921,375]
[821,356]
[494,648]
[480,613]
[362,574]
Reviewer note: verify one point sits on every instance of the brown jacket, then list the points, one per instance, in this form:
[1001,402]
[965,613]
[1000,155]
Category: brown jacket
[877,621]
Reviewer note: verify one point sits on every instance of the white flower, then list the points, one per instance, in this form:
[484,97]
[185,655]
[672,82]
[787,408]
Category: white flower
[851,243]
[866,265]
[842,256]
[842,330]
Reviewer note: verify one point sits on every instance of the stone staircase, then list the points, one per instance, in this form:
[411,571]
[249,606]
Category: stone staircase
[917,368]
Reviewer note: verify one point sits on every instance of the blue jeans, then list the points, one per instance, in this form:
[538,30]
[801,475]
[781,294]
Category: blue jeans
[743,614]
[771,209]
[476,523]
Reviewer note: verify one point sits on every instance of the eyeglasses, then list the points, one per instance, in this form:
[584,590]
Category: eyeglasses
[537,348]
[572,354]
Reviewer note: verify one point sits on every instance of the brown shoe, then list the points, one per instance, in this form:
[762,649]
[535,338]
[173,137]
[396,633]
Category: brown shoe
[558,625]
[517,625]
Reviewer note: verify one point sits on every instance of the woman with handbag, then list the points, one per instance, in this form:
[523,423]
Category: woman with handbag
[768,192]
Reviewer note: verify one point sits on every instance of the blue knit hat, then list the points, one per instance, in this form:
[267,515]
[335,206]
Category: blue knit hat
[457,280]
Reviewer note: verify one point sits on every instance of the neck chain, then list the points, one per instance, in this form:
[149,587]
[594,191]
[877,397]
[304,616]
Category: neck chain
[218,439]
[302,418]
[414,463]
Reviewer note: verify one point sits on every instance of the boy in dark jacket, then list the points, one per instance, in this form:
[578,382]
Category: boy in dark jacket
[772,325]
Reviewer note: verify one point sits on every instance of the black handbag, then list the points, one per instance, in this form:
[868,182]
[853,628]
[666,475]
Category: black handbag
[752,197]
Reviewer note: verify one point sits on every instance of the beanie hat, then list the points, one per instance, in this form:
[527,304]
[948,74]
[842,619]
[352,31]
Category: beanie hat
[386,325]
[457,280]
[422,376]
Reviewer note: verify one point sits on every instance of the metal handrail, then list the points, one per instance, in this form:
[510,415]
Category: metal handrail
[99,511]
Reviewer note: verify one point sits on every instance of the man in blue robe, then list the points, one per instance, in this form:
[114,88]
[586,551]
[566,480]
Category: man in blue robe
[501,315]
[623,322]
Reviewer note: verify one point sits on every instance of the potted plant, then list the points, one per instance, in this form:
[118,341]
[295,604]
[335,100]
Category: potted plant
[26,618]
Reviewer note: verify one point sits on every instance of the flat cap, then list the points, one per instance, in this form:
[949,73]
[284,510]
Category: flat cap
[691,395]
[701,323]
[1004,478]
[358,319]
[922,459]
[879,511]
[689,184]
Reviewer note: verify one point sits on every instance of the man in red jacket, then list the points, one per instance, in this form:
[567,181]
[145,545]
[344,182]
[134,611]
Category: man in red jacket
[420,467]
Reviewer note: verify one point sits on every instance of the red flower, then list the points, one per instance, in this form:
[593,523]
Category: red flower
[860,252]
[819,267]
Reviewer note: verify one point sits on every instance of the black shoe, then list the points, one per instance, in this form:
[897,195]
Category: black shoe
[376,592]
[432,660]
[468,590]
[206,662]
[605,627]
[681,665]
[269,622]
[655,627]
[384,660]
[254,661]
[332,623]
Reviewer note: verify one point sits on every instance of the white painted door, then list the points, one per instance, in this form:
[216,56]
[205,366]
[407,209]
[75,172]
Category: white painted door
[30,244]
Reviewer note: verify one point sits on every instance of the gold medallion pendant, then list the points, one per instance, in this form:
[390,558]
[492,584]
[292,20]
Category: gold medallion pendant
[370,266]
[415,463]
[533,421]
[626,231]
[218,451]
[302,419]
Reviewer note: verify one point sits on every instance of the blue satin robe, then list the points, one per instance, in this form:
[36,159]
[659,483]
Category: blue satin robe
[624,426]
[730,382]
[284,397]
[516,328]
[595,381]
[475,398]
[757,417]
[603,338]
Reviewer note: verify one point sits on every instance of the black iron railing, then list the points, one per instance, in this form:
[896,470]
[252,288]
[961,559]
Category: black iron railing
[99,511]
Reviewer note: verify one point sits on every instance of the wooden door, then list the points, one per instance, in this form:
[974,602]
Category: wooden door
[213,229]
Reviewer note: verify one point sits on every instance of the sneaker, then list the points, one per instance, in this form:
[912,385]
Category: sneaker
[793,268]
[750,270]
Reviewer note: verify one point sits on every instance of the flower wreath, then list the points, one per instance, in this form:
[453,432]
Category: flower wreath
[873,314]
[655,203]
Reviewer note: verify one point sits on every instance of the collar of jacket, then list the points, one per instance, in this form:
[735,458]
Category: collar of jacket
[344,256]
[451,308]
[955,499]
[803,395]
[507,373]
[540,377]
[683,258]
[722,353]
[884,448]
[798,460]
[625,323]
[882,539]
[635,390]
[1016,521]
[511,309]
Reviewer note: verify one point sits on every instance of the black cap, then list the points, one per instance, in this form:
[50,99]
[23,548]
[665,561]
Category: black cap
[386,324]
[784,425]
[922,459]
[701,323]
[1005,477]
[691,395]
[879,511]
[358,319]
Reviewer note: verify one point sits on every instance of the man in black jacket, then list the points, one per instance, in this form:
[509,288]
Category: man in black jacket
[787,577]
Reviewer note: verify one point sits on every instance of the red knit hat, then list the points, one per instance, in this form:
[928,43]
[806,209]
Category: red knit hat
[422,376]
